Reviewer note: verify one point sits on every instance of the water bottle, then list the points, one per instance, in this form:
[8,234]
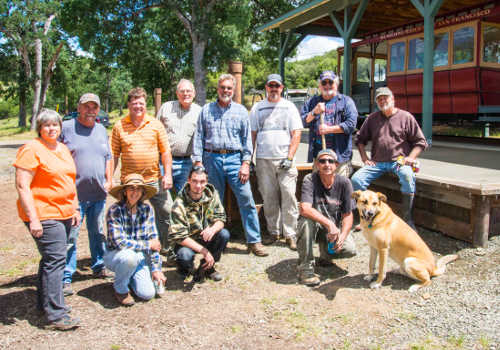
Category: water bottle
[159,287]
[331,248]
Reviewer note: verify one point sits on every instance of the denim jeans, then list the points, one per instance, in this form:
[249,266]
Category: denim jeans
[131,268]
[94,211]
[277,187]
[162,205]
[216,246]
[224,168]
[368,173]
[52,247]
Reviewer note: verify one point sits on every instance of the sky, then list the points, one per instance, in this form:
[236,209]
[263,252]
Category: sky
[314,45]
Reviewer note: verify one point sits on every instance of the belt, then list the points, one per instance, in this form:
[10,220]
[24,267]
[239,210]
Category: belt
[221,151]
[181,157]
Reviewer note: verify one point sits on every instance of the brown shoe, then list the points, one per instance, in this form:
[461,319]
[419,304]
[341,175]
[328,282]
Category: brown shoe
[291,242]
[271,239]
[257,249]
[309,280]
[125,299]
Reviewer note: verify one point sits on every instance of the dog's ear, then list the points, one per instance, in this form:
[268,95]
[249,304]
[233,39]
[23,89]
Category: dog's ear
[382,197]
[356,194]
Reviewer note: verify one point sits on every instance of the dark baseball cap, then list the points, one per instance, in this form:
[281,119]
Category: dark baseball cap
[274,77]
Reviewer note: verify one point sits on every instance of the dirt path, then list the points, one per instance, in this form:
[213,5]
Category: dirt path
[259,305]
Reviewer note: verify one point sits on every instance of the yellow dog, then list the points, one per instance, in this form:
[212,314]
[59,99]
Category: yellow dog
[389,235]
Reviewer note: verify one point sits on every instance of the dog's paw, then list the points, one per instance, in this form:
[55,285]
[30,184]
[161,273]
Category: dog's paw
[375,285]
[414,287]
[369,277]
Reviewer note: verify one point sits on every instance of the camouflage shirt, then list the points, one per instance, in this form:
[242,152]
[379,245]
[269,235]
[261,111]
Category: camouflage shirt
[189,217]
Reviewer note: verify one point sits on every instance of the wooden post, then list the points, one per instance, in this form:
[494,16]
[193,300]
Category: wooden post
[236,69]
[157,99]
[480,220]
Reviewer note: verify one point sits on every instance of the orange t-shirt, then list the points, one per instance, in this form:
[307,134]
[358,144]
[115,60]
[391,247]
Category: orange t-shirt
[53,184]
[140,147]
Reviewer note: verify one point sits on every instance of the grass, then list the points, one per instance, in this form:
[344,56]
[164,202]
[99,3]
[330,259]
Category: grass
[466,130]
[18,270]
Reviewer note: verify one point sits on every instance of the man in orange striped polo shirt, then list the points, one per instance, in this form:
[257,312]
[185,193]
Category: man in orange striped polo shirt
[141,141]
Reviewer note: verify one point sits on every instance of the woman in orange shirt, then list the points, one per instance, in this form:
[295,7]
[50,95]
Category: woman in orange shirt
[48,205]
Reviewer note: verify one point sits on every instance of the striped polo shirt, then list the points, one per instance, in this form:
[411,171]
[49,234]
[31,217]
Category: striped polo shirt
[140,147]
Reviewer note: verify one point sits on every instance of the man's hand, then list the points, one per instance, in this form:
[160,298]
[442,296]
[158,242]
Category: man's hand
[207,234]
[324,129]
[36,228]
[244,173]
[333,232]
[209,259]
[75,220]
[319,108]
[108,185]
[409,161]
[285,164]
[155,245]
[159,276]
[167,182]
[340,243]
[369,162]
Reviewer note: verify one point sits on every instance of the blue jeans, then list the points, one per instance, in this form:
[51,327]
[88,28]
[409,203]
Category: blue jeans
[216,246]
[224,168]
[131,268]
[94,211]
[368,173]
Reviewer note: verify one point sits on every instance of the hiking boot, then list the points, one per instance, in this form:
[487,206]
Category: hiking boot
[67,291]
[64,323]
[257,249]
[271,239]
[309,280]
[199,274]
[124,299]
[103,273]
[214,275]
[291,242]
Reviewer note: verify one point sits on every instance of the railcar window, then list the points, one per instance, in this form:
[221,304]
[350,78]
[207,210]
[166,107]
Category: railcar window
[463,45]
[363,70]
[398,57]
[441,50]
[491,39]
[416,54]
[380,69]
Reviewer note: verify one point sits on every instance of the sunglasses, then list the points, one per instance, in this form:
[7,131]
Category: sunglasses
[199,168]
[324,160]
[327,82]
[274,86]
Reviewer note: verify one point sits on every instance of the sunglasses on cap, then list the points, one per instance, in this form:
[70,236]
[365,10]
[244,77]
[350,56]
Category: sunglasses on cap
[324,160]
[327,82]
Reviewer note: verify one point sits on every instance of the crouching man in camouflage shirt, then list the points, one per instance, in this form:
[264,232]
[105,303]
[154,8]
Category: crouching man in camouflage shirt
[197,226]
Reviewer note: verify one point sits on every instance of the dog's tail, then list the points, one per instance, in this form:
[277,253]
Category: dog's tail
[442,262]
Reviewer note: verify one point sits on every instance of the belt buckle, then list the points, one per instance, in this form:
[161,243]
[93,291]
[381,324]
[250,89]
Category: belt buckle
[223,151]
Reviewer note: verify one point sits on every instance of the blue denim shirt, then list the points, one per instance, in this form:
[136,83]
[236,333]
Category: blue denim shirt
[223,128]
[341,111]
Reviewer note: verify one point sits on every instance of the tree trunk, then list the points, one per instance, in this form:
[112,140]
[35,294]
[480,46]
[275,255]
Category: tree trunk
[22,96]
[199,70]
[37,83]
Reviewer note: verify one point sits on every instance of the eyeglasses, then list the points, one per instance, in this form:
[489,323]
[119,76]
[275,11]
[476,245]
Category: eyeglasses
[274,86]
[324,160]
[222,87]
[327,82]
[199,168]
[185,92]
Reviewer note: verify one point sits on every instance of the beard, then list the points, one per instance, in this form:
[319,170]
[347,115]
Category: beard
[328,93]
[388,106]
[225,98]
[273,96]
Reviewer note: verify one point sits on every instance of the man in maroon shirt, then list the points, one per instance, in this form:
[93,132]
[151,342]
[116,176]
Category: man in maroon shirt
[393,133]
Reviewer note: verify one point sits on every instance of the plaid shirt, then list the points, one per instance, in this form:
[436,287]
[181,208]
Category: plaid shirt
[123,233]
[223,128]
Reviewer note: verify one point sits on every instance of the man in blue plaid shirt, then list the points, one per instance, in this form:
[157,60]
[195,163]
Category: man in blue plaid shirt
[132,243]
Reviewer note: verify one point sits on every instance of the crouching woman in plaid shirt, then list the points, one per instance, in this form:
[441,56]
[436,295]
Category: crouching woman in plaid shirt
[132,243]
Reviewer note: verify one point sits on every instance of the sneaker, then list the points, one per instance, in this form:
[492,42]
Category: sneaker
[125,299]
[214,275]
[103,273]
[291,242]
[67,291]
[309,280]
[257,249]
[271,239]
[63,324]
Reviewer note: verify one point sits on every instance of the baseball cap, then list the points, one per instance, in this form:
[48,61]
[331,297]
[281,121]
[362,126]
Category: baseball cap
[274,77]
[327,151]
[89,97]
[383,91]
[327,74]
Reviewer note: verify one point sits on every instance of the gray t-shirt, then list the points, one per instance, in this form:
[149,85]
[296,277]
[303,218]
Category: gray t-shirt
[274,122]
[331,202]
[90,150]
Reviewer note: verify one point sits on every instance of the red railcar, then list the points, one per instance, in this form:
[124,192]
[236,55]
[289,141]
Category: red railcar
[466,64]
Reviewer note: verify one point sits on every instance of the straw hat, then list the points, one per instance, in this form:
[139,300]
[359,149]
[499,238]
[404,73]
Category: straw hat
[133,180]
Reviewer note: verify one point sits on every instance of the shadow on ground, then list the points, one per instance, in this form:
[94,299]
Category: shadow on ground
[18,306]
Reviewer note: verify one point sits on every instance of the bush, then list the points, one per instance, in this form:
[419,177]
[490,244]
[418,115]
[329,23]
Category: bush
[8,109]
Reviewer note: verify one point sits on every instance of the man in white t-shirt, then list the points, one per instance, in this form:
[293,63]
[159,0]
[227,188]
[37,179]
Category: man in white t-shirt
[276,128]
